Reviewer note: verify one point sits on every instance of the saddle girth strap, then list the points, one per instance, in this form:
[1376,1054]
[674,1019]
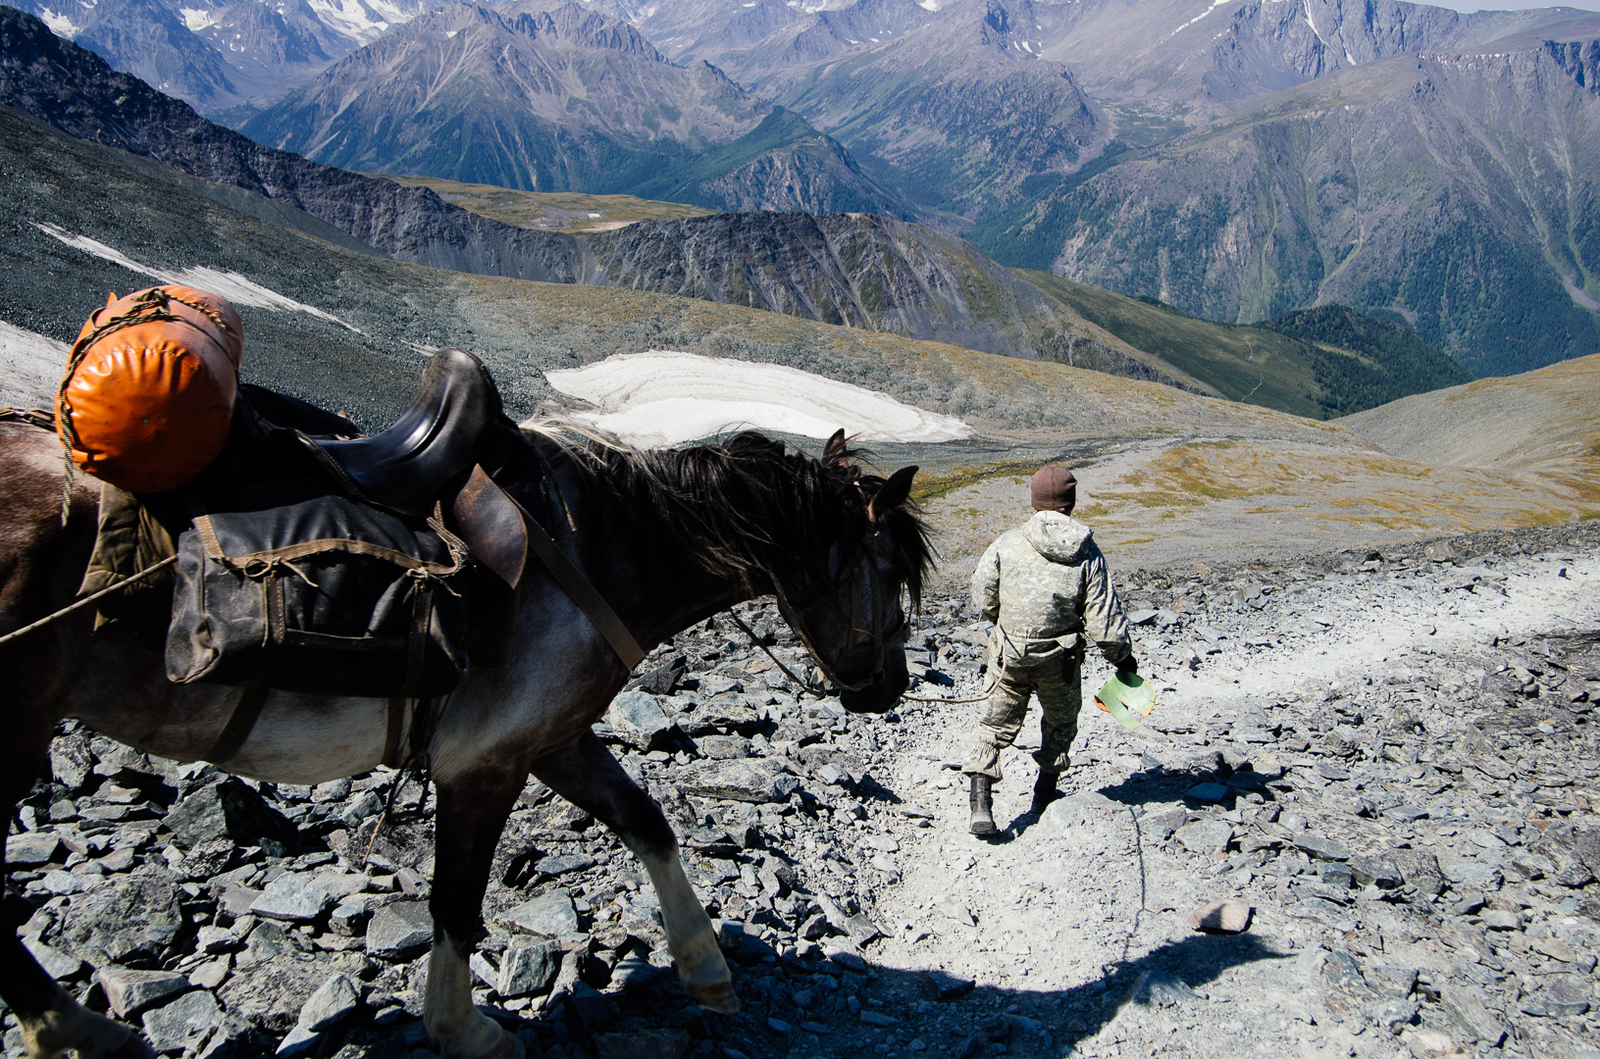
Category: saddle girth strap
[582,591]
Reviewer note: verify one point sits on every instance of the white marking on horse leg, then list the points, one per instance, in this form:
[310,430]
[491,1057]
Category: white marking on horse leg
[461,1030]
[689,935]
[68,1026]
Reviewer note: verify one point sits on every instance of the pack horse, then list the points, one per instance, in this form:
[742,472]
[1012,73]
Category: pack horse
[667,538]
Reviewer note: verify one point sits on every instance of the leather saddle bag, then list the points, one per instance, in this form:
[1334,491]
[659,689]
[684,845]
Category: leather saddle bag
[298,588]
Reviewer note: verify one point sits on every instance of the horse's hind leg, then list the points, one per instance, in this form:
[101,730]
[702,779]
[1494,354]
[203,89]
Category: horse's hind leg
[588,776]
[472,812]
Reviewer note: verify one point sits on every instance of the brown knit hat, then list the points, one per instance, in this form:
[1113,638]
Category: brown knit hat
[1054,489]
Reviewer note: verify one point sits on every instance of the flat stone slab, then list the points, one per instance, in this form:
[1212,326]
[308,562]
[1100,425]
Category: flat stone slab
[183,1024]
[1204,836]
[399,929]
[746,780]
[1322,847]
[550,914]
[129,992]
[292,898]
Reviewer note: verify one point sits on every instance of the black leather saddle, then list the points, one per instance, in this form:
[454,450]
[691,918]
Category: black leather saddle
[409,466]
[431,455]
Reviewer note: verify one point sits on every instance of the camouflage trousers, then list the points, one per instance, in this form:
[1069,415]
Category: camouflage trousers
[1058,683]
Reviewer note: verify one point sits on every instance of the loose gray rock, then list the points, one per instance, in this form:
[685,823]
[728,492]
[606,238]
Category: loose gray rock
[57,964]
[292,898]
[132,922]
[527,968]
[1475,876]
[551,914]
[226,809]
[1205,836]
[31,850]
[335,1001]
[400,929]
[183,1024]
[1321,847]
[130,992]
[638,719]
[748,780]
[274,992]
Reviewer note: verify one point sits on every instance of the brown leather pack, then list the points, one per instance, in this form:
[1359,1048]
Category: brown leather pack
[150,386]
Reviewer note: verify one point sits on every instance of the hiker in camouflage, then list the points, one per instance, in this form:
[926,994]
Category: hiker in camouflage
[1046,589]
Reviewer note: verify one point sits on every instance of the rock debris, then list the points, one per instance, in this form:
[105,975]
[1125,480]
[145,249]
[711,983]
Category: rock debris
[1360,822]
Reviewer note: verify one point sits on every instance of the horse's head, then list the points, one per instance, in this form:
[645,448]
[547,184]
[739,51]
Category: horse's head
[847,607]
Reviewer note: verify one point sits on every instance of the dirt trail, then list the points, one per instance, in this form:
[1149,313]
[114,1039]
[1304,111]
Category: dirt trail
[1076,924]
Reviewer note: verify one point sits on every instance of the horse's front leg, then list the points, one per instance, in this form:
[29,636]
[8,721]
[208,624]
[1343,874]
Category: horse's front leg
[472,811]
[588,776]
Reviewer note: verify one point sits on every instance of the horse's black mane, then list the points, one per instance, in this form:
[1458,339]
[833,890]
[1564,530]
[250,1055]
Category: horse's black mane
[749,503]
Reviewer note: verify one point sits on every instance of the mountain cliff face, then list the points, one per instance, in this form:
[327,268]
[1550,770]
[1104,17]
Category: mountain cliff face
[560,100]
[1458,192]
[860,270]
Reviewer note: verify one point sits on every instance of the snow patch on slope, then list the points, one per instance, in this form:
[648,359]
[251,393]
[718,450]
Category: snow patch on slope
[33,365]
[661,397]
[241,290]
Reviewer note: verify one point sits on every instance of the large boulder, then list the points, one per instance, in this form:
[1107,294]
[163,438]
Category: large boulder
[134,922]
[228,809]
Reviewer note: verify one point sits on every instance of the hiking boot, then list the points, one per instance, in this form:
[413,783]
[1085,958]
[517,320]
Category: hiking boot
[1044,791]
[982,799]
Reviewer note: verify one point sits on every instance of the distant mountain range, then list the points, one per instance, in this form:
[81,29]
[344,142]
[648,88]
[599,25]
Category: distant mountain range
[562,100]
[856,270]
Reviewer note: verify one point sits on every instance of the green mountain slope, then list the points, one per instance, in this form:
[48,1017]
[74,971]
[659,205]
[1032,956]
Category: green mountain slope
[1320,363]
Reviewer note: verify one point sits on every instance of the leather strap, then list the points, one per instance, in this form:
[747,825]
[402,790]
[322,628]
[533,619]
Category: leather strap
[581,591]
[239,726]
[391,742]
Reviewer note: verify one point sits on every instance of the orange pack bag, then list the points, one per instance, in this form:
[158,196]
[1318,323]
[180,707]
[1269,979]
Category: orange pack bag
[150,385]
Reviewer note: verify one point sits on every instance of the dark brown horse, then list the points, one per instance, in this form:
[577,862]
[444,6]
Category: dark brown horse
[668,537]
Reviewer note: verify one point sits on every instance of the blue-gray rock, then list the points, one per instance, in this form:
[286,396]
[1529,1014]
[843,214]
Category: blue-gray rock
[57,964]
[403,928]
[1376,871]
[1205,836]
[527,968]
[563,863]
[130,992]
[131,922]
[1207,793]
[1321,847]
[1474,876]
[183,1024]
[31,850]
[335,1001]
[638,719]
[226,809]
[943,985]
[293,898]
[550,914]
[877,1018]
[349,917]
[748,780]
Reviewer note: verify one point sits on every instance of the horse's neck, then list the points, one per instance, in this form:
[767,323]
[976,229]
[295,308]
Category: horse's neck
[658,583]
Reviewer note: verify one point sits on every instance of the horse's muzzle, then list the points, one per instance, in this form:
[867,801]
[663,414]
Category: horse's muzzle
[881,695]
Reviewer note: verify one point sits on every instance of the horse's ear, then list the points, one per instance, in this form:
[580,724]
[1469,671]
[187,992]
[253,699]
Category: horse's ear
[835,453]
[893,493]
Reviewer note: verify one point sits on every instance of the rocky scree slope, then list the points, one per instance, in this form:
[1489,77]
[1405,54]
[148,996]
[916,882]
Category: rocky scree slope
[1388,760]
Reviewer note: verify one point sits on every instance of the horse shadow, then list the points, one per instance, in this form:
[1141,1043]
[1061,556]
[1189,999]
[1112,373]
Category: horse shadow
[812,1006]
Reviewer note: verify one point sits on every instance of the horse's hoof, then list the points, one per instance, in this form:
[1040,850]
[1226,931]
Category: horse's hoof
[716,996]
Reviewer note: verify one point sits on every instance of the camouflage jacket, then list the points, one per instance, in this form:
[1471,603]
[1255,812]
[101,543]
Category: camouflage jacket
[1046,589]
